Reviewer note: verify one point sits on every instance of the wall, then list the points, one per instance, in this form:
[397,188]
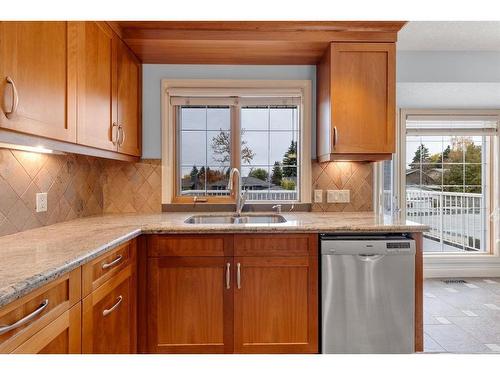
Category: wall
[154,73]
[80,186]
[448,79]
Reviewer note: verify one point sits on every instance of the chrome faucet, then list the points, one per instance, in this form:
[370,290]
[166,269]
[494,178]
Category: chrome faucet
[236,189]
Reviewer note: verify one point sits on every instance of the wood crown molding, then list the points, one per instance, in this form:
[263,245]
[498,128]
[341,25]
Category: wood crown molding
[246,42]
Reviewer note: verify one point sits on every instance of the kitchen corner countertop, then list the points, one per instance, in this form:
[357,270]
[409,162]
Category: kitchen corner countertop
[32,258]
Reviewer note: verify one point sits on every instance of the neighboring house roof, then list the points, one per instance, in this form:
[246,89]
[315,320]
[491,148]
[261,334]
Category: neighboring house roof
[429,177]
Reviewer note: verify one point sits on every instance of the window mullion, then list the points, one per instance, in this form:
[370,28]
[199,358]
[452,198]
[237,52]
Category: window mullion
[235,127]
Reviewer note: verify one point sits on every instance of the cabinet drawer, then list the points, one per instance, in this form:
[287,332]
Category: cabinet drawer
[109,316]
[274,245]
[62,336]
[101,269]
[185,245]
[38,309]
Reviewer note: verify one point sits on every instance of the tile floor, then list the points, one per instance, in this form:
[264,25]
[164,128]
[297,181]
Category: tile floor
[462,317]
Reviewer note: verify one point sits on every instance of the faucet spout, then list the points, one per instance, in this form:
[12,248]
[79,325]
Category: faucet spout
[235,188]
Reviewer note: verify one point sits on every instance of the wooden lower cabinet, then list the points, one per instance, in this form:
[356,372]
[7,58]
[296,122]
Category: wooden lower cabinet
[61,336]
[189,305]
[232,304]
[109,316]
[275,305]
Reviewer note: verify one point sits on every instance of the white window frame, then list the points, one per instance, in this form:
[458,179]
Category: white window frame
[448,265]
[225,88]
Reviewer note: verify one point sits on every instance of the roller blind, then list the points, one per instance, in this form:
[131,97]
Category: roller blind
[230,101]
[451,124]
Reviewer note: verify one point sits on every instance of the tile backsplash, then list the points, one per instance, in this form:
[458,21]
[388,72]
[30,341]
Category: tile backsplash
[80,186]
[73,184]
[76,186]
[354,176]
[132,187]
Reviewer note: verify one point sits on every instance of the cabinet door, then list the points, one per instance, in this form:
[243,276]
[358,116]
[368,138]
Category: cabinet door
[275,305]
[62,336]
[109,316]
[128,101]
[96,85]
[39,60]
[363,98]
[190,306]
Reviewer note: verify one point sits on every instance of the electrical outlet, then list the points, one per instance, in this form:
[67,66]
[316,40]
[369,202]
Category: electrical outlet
[332,196]
[41,202]
[338,196]
[318,196]
[345,196]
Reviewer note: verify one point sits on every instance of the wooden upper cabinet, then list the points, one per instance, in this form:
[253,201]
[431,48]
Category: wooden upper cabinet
[190,305]
[96,85]
[38,78]
[75,82]
[128,101]
[356,102]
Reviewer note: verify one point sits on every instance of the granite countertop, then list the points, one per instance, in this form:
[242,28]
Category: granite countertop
[32,258]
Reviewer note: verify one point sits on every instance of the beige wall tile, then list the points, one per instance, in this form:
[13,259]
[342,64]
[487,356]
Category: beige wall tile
[132,187]
[357,177]
[65,178]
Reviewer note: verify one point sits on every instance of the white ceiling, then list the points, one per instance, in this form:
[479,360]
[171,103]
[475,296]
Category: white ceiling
[450,36]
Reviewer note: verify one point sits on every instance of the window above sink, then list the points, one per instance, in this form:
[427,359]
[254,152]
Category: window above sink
[263,131]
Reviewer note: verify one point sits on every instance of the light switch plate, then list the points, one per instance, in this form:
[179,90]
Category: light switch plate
[338,196]
[318,196]
[41,202]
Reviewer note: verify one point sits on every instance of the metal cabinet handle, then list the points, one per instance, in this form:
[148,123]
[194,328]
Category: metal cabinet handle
[15,98]
[228,275]
[238,275]
[335,136]
[26,319]
[111,264]
[110,310]
[121,135]
[114,133]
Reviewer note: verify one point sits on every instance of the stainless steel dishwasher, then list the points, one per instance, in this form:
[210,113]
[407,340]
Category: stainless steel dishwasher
[367,293]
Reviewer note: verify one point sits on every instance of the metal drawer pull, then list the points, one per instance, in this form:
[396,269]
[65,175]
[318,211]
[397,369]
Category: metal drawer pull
[228,275]
[238,275]
[15,98]
[111,264]
[26,319]
[110,310]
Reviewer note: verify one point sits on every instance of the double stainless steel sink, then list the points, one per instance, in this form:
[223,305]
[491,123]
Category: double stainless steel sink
[235,219]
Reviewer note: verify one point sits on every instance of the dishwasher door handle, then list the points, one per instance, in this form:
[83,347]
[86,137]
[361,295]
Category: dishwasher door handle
[370,257]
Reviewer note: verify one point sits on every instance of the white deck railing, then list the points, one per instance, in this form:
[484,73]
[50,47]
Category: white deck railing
[253,195]
[455,219]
